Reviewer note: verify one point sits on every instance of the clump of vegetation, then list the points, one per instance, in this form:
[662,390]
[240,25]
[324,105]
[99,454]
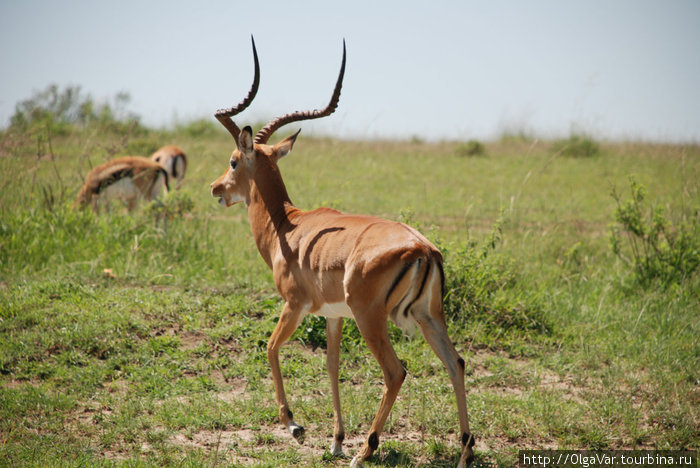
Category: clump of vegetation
[471,148]
[480,286]
[577,146]
[517,135]
[174,205]
[61,110]
[142,146]
[200,128]
[660,250]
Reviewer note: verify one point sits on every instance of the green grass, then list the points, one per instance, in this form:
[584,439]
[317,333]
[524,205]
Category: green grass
[128,341]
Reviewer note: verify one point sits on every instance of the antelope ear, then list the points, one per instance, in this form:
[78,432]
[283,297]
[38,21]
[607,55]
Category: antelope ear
[245,142]
[284,147]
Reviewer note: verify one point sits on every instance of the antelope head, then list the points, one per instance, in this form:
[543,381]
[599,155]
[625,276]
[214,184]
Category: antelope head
[253,152]
[173,160]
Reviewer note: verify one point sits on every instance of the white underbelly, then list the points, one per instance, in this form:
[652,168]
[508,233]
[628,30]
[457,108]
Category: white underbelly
[335,310]
[123,189]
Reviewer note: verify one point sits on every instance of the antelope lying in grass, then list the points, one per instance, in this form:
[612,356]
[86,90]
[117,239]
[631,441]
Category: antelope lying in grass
[173,159]
[338,266]
[128,179]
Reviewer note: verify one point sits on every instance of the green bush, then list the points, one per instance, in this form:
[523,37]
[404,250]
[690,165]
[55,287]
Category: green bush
[174,205]
[142,146]
[659,248]
[471,148]
[577,146]
[201,128]
[59,111]
[483,287]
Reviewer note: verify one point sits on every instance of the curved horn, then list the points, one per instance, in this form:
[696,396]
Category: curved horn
[264,134]
[224,115]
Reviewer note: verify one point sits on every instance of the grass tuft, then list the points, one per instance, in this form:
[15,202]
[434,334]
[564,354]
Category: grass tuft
[471,148]
[577,146]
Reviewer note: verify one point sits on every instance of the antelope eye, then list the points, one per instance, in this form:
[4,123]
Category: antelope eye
[234,163]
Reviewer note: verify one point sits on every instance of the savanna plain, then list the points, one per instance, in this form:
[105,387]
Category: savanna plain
[139,338]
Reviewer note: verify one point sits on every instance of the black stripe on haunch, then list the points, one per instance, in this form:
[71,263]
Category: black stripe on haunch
[401,274]
[442,280]
[420,290]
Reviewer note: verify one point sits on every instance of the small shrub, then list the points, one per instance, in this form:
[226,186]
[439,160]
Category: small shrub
[471,148]
[483,287]
[659,249]
[200,128]
[174,205]
[577,146]
[59,111]
[312,332]
[142,146]
[517,135]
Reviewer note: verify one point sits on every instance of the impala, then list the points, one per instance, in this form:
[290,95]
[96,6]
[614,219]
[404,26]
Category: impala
[128,178]
[173,159]
[338,266]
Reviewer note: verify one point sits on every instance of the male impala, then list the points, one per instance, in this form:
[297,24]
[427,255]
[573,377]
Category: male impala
[173,159]
[338,266]
[129,179]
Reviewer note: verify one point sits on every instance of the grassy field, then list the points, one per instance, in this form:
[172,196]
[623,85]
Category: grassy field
[127,341]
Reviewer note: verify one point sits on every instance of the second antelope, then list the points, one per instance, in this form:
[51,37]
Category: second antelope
[173,159]
[129,178]
[338,266]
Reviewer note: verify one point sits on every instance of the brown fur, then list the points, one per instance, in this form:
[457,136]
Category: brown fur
[174,160]
[145,175]
[380,269]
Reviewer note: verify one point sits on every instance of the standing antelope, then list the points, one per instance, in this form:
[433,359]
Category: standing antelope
[338,266]
[173,159]
[128,178]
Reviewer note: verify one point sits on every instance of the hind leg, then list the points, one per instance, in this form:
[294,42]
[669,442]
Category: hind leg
[334,331]
[377,338]
[435,332]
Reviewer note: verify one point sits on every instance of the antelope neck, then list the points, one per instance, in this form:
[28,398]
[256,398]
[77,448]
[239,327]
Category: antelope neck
[269,211]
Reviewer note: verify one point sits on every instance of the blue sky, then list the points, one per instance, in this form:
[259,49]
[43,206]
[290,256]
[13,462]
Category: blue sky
[616,69]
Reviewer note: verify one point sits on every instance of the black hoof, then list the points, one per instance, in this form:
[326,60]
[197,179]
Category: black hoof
[298,433]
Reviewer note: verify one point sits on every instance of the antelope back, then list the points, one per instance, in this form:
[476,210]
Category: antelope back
[128,178]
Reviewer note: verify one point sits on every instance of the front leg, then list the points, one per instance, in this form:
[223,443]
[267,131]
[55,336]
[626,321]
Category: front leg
[288,322]
[334,332]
